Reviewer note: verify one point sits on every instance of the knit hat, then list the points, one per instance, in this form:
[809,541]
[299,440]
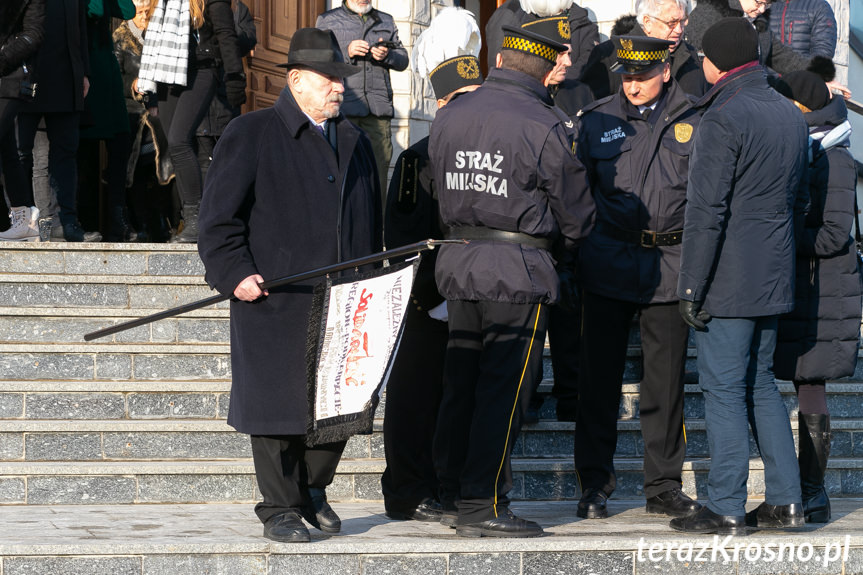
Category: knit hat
[804,87]
[446,52]
[730,43]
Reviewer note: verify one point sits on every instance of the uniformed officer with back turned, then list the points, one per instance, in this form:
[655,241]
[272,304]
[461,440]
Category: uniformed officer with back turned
[508,180]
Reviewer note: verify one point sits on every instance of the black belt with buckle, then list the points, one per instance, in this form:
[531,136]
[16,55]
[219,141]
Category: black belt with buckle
[643,238]
[480,233]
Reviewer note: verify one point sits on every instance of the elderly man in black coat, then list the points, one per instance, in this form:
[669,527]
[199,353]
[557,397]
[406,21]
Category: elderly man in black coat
[291,188]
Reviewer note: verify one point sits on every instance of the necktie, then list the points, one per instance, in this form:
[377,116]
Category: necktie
[646,114]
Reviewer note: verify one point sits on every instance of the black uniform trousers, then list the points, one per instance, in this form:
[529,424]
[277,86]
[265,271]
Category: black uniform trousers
[605,339]
[413,396]
[285,468]
[491,360]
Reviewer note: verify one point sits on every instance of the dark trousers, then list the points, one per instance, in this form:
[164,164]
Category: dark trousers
[491,359]
[413,397]
[62,131]
[285,469]
[605,339]
[18,186]
[735,370]
[182,113]
[564,341]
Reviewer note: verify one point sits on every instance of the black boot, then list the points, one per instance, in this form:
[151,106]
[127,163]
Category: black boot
[119,228]
[814,433]
[189,235]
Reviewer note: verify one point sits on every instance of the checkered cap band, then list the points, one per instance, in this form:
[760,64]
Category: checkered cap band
[535,48]
[642,55]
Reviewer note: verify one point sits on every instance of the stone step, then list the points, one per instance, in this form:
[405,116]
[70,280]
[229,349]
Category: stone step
[149,399]
[844,399]
[208,438]
[89,483]
[47,259]
[225,539]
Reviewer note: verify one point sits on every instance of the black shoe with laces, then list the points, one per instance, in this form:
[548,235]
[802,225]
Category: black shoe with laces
[505,525]
[286,528]
[767,516]
[428,510]
[592,504]
[673,502]
[319,514]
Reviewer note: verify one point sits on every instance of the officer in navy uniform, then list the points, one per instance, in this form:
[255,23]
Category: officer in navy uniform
[564,321]
[508,181]
[409,483]
[635,145]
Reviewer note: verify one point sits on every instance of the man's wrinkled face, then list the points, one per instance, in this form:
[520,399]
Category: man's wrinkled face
[669,24]
[318,95]
[558,73]
[644,89]
[359,6]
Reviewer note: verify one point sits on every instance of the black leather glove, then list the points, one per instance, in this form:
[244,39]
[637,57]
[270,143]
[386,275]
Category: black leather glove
[235,89]
[570,299]
[693,315]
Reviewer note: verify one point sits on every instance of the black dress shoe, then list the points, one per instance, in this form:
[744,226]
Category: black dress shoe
[506,525]
[767,516]
[429,510]
[592,504]
[673,502]
[319,514]
[286,528]
[706,521]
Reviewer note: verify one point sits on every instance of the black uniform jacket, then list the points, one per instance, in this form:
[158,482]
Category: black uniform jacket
[503,158]
[638,174]
[277,202]
[412,215]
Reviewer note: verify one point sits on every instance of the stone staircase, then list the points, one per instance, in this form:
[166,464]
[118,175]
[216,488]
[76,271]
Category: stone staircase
[139,417]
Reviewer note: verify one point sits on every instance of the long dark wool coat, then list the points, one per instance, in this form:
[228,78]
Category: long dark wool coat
[278,200]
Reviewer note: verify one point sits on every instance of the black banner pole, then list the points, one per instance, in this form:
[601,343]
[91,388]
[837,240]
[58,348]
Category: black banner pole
[355,263]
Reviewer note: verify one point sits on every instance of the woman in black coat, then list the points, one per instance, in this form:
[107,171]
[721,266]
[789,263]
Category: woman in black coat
[819,339]
[212,44]
[21,31]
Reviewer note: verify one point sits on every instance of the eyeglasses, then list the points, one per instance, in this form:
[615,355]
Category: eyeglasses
[763,3]
[673,23]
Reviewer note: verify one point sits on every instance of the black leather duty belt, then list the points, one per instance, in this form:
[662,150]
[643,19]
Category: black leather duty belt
[643,238]
[478,233]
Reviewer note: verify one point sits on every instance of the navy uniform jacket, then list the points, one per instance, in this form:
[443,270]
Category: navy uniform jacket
[279,201]
[412,215]
[503,159]
[747,185]
[638,174]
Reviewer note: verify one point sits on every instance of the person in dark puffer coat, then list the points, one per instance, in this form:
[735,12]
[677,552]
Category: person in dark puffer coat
[819,339]
[807,26]
[774,54]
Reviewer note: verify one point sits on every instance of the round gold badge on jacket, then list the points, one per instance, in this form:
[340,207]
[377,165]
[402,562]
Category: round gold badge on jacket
[682,132]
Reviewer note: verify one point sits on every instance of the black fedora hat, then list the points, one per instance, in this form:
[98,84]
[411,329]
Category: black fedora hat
[318,50]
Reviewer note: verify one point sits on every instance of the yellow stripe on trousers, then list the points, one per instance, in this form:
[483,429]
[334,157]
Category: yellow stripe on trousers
[515,406]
